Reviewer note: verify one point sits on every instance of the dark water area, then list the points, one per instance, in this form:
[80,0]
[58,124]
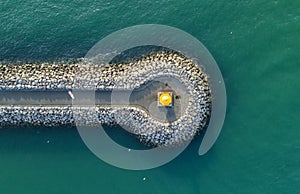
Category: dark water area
[256,45]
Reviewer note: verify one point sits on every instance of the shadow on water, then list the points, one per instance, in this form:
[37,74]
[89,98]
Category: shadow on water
[124,138]
[40,139]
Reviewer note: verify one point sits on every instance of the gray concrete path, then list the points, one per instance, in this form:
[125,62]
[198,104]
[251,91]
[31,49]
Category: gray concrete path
[144,97]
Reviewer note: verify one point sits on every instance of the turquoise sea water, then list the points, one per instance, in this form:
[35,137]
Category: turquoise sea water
[256,44]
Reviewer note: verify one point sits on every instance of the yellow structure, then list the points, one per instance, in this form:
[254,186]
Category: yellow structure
[165,99]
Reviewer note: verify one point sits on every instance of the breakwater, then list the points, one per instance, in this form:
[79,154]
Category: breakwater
[191,106]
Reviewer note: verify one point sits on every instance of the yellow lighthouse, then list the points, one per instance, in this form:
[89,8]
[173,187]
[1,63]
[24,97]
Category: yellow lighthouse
[165,99]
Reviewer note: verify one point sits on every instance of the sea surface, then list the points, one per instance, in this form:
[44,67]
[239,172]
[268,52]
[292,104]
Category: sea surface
[256,44]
